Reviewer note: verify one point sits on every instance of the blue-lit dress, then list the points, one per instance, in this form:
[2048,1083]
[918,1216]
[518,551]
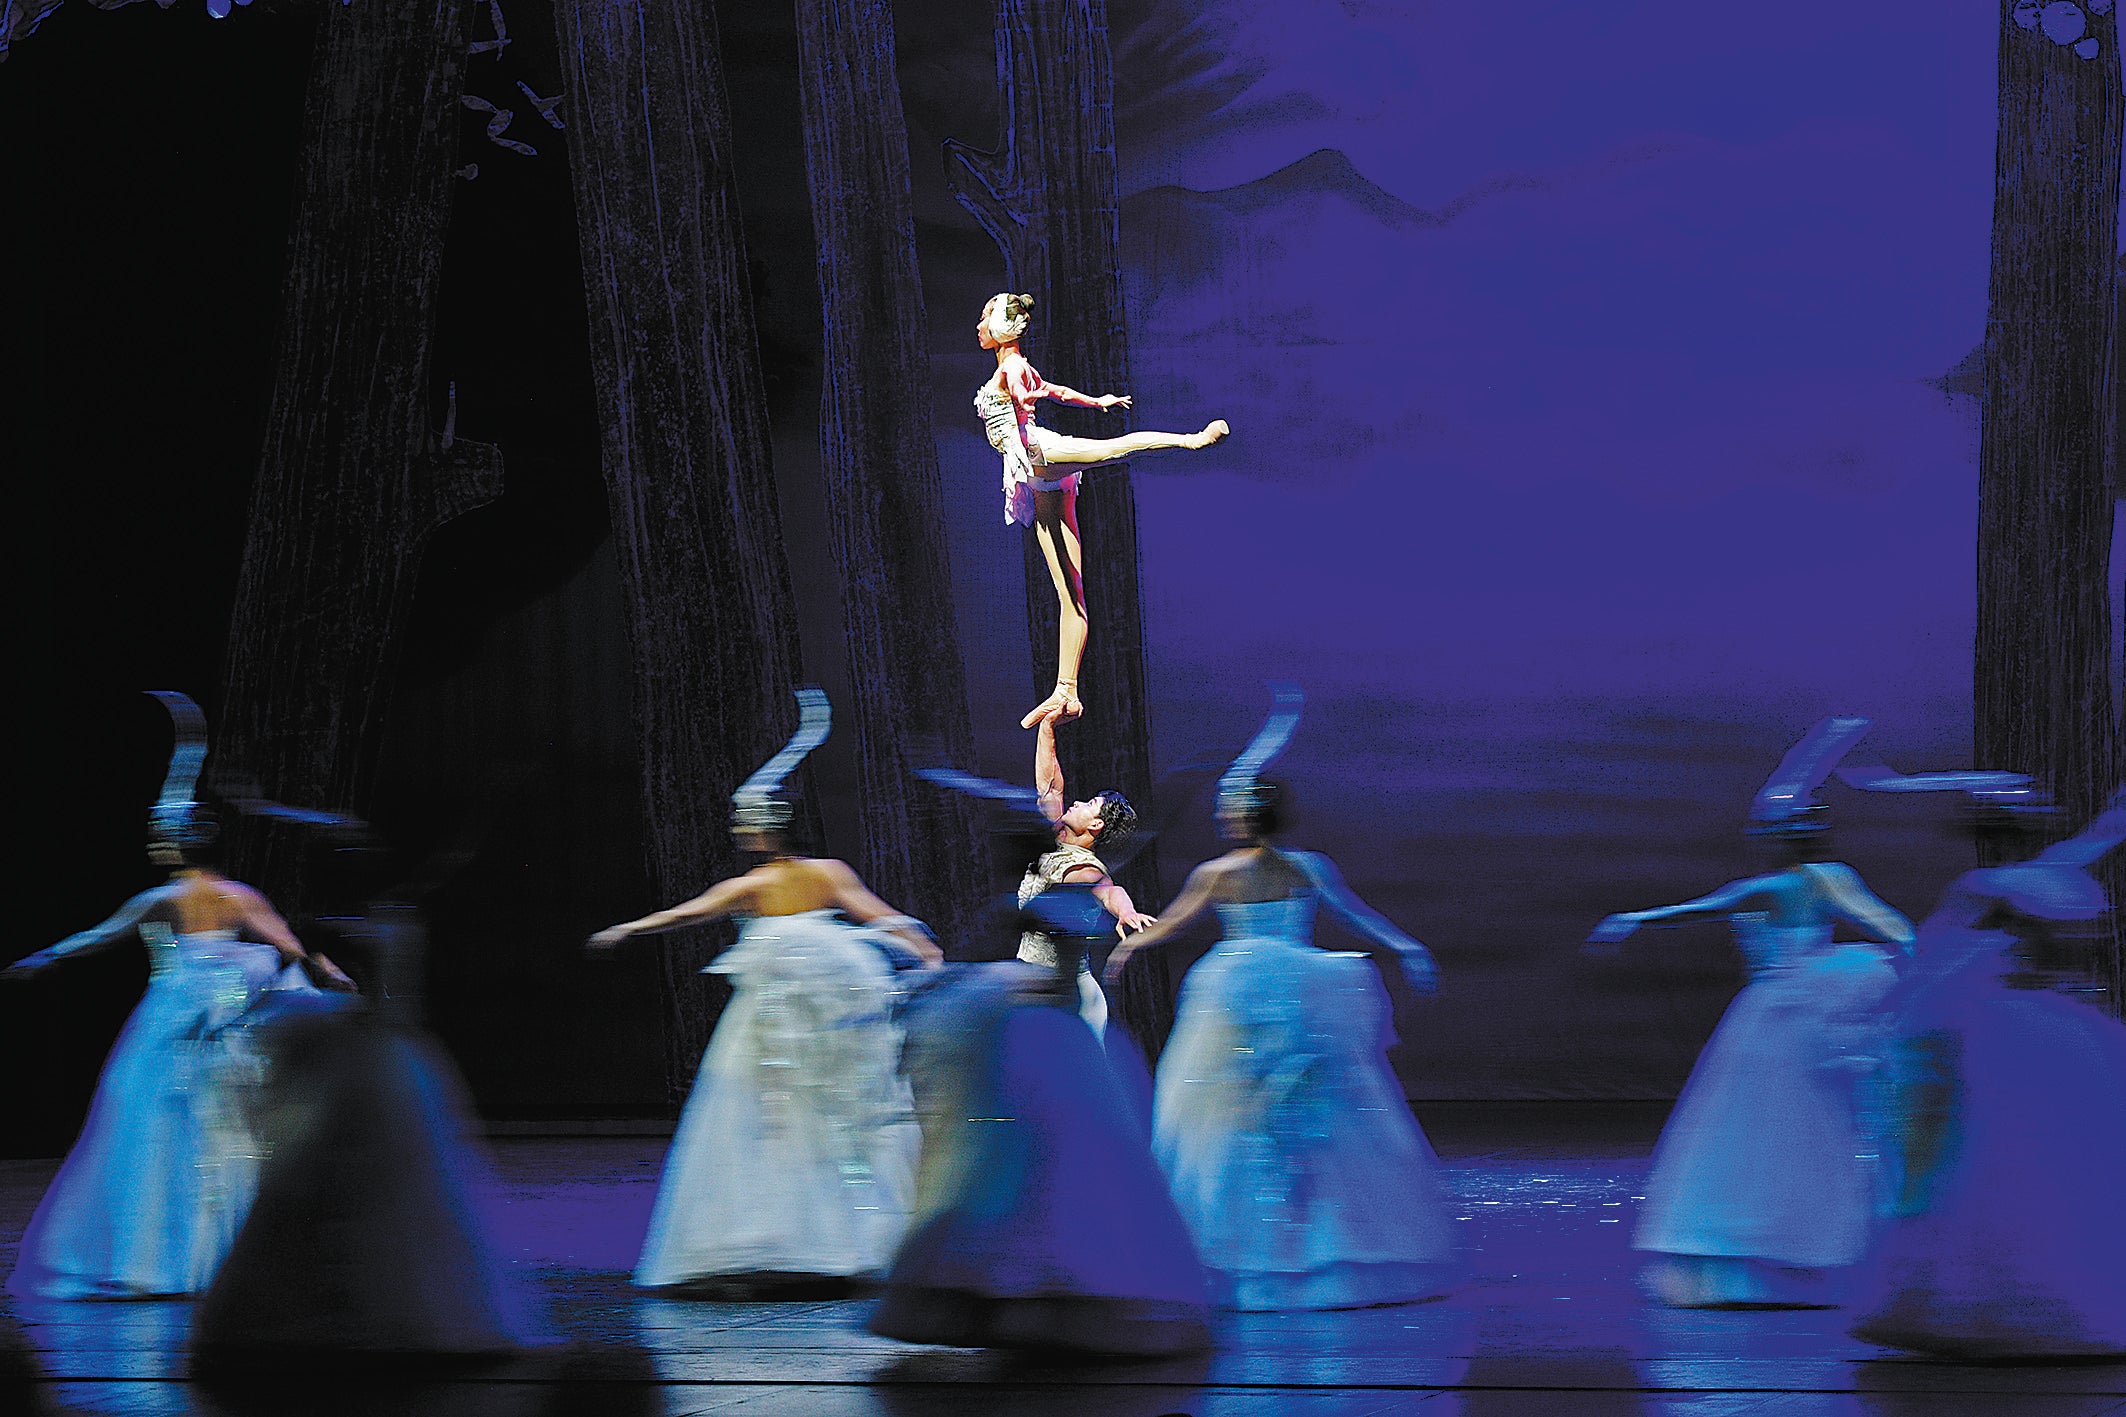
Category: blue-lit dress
[2005,1242]
[153,1192]
[367,1242]
[1767,1180]
[796,1150]
[1041,1220]
[1284,1135]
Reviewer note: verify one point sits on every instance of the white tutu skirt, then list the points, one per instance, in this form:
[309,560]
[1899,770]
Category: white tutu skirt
[2015,1249]
[795,1153]
[155,1188]
[1285,1138]
[1766,1181]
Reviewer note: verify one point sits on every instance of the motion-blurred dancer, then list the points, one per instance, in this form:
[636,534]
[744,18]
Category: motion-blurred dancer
[366,1244]
[795,1155]
[1037,493]
[1763,1189]
[1041,1220]
[1106,820]
[152,1193]
[1282,1131]
[2004,1241]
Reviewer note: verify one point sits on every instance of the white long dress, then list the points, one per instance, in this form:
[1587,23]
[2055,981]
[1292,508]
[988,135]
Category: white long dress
[155,1188]
[1284,1136]
[1767,1182]
[2006,1242]
[796,1150]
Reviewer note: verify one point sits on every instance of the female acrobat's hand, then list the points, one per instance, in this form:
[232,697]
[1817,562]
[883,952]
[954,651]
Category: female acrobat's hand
[1113,400]
[605,941]
[1129,923]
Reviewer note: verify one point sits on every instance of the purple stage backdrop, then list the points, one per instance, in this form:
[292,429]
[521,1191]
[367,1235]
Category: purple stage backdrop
[1605,414]
[1603,393]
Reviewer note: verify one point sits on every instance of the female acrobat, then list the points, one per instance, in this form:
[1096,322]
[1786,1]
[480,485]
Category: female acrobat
[1040,481]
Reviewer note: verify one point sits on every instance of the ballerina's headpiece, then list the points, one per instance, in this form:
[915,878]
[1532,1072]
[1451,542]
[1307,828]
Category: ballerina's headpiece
[1994,798]
[2055,884]
[175,819]
[1787,804]
[1017,313]
[1240,790]
[758,805]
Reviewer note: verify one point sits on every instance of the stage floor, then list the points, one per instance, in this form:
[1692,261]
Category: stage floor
[1549,1322]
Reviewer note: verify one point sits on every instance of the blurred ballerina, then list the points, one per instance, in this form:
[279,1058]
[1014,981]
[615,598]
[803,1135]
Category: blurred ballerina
[1041,1220]
[795,1153]
[1763,1187]
[1037,491]
[366,1245]
[155,1188]
[1283,1132]
[2004,1241]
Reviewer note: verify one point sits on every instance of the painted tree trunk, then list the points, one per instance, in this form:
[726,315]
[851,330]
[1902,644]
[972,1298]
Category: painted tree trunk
[878,453]
[1050,197]
[352,481]
[696,525]
[2043,684]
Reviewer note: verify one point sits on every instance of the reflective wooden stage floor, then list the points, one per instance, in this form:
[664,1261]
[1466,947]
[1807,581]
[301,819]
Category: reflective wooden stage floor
[1550,1322]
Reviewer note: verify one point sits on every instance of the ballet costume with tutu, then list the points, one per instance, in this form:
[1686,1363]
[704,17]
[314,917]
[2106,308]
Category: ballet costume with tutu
[796,1151]
[1008,421]
[1767,1180]
[1041,1220]
[1284,1135]
[154,1190]
[2005,1240]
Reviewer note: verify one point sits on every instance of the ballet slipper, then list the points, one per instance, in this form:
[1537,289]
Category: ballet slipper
[1212,431]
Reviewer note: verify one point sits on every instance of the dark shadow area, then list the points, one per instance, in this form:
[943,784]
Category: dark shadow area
[1587,1382]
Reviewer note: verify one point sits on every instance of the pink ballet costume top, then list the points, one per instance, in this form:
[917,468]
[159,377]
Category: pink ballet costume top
[1008,413]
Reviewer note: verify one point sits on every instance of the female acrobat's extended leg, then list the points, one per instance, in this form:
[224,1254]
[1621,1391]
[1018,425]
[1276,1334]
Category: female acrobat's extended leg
[1077,452]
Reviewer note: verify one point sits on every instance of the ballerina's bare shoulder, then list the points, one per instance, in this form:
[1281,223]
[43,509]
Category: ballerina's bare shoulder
[793,885]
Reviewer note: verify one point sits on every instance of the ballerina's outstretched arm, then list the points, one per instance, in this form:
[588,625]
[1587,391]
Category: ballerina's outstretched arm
[854,899]
[264,924]
[121,922]
[723,898]
[1852,901]
[1724,901]
[1187,908]
[1364,921]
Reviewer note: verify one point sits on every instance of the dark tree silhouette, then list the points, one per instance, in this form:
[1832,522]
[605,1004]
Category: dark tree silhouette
[879,456]
[696,526]
[352,480]
[1050,199]
[2048,420]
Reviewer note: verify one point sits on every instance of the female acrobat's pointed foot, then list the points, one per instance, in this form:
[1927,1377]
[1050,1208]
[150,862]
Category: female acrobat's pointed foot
[1061,705]
[1212,431]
